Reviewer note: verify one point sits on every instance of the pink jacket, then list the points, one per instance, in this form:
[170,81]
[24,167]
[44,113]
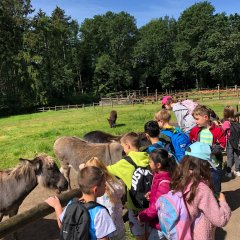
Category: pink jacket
[150,214]
[212,214]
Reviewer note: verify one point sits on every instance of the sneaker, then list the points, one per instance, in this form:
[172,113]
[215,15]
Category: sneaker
[236,173]
[229,175]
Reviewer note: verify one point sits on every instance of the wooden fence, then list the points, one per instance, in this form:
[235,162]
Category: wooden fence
[138,98]
[21,220]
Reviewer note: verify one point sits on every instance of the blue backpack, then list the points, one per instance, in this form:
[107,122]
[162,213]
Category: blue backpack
[179,141]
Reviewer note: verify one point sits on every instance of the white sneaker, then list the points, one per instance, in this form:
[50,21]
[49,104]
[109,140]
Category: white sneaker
[229,175]
[236,173]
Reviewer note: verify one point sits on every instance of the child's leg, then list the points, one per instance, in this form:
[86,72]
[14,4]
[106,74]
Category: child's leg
[137,229]
[230,155]
[216,176]
[236,159]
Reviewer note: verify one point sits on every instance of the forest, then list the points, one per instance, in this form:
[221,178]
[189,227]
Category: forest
[47,60]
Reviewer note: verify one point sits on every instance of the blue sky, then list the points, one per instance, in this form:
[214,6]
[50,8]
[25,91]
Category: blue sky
[142,10]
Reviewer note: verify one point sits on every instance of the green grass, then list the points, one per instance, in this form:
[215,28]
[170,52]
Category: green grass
[26,135]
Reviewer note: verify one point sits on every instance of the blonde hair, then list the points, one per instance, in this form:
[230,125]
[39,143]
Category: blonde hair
[111,180]
[163,115]
[202,110]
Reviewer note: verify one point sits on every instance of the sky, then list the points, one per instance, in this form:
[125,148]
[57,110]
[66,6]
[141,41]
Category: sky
[143,10]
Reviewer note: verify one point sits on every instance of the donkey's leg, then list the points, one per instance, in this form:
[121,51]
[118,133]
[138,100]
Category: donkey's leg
[65,170]
[1,216]
[11,214]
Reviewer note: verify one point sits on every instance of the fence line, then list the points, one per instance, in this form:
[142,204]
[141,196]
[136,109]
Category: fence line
[43,209]
[153,97]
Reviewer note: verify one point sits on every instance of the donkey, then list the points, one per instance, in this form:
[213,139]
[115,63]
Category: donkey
[17,183]
[112,119]
[103,137]
[72,151]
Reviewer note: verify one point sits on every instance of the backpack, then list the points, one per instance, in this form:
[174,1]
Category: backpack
[234,134]
[190,105]
[76,221]
[173,215]
[179,141]
[154,146]
[141,184]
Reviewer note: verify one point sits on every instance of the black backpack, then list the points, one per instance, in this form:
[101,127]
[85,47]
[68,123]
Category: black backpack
[234,134]
[76,221]
[141,184]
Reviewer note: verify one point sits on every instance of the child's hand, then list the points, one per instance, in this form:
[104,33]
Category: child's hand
[53,201]
[147,195]
[221,197]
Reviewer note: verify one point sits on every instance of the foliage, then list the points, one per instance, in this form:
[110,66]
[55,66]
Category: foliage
[46,60]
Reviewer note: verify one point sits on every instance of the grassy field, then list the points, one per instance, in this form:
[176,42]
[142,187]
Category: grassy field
[26,135]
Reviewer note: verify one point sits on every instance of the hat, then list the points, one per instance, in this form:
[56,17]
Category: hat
[202,151]
[166,99]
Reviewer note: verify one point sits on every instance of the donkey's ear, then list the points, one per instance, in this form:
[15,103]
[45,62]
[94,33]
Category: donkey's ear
[24,160]
[37,162]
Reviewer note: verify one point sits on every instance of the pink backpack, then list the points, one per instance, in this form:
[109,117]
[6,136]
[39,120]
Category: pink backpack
[173,216]
[190,105]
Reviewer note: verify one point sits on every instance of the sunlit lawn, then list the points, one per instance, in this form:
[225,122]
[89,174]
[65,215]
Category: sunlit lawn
[26,135]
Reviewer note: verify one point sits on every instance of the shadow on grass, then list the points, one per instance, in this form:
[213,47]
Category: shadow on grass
[120,125]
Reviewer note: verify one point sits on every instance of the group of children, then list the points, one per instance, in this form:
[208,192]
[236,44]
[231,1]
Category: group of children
[197,176]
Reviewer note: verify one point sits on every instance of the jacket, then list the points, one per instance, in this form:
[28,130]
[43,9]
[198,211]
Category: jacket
[158,189]
[213,214]
[219,138]
[124,170]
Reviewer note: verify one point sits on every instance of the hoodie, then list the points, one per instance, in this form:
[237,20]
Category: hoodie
[124,170]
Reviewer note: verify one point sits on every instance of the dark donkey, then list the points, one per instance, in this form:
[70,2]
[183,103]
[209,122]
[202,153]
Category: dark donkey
[17,183]
[112,119]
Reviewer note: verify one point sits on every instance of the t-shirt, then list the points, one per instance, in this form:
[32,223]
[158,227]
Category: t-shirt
[206,136]
[101,224]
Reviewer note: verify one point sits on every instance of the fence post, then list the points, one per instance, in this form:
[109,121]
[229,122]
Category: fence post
[93,105]
[55,108]
[68,107]
[83,106]
[156,95]
[218,86]
[43,109]
[62,107]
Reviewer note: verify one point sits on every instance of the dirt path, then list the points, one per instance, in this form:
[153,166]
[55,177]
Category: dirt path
[46,228]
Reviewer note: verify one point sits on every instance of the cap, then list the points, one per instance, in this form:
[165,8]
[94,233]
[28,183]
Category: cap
[166,99]
[202,151]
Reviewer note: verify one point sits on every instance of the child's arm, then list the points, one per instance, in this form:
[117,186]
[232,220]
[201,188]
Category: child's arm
[55,203]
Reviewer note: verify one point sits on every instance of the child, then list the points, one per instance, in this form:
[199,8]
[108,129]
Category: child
[174,140]
[162,167]
[112,198]
[124,170]
[182,111]
[92,182]
[232,149]
[151,130]
[208,132]
[193,179]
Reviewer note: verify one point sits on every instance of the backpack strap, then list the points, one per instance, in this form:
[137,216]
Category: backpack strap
[129,160]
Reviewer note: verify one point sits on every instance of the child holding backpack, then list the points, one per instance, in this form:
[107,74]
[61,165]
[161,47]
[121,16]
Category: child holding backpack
[174,140]
[162,166]
[198,211]
[111,198]
[232,132]
[91,221]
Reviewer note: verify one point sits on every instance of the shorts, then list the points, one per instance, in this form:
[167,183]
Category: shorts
[136,228]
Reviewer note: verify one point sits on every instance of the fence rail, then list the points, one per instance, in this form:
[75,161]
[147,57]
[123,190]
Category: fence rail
[21,220]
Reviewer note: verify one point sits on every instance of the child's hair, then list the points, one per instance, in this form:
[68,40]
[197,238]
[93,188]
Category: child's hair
[160,155]
[131,138]
[191,170]
[201,110]
[228,113]
[163,115]
[110,189]
[151,128]
[89,177]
